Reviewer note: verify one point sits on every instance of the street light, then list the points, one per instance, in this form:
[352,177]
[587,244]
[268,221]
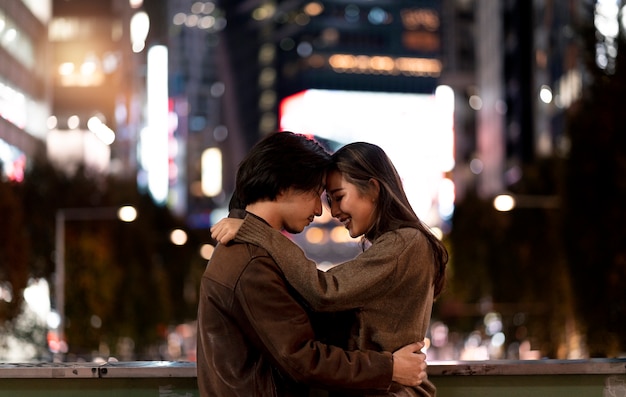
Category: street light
[507,202]
[125,214]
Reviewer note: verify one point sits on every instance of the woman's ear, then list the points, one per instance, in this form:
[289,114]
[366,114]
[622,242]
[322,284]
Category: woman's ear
[374,189]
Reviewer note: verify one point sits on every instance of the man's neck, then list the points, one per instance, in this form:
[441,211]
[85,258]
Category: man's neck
[268,211]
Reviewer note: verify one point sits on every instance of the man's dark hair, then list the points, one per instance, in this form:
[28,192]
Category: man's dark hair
[280,161]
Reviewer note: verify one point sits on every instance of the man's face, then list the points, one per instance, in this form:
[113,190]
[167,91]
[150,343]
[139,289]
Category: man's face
[299,208]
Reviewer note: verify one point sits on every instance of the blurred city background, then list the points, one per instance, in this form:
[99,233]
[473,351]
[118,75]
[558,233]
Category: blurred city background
[123,122]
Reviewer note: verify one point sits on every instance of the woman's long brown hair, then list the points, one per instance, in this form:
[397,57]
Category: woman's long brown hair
[359,163]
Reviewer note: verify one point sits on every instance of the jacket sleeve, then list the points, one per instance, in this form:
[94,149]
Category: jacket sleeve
[283,330]
[347,286]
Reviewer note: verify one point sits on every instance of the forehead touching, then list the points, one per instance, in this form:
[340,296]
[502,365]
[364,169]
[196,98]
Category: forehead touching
[335,181]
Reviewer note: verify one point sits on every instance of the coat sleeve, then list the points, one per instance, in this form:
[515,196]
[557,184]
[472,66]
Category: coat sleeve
[347,286]
[283,330]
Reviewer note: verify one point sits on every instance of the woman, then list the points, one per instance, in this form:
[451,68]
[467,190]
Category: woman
[393,283]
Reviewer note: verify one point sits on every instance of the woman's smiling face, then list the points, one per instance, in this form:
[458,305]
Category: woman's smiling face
[350,206]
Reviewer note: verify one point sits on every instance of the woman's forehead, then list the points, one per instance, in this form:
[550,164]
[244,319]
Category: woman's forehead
[334,180]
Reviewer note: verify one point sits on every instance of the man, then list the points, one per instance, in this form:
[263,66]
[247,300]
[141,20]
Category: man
[254,334]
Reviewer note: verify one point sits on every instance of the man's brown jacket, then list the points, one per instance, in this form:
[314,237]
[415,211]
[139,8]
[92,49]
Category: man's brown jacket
[255,338]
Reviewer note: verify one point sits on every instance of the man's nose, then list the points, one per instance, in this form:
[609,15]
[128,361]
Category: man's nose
[318,207]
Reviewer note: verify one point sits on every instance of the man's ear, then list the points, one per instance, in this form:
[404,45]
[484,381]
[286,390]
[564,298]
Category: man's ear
[281,194]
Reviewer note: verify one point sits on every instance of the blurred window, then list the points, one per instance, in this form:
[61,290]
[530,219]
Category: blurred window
[42,9]
[15,41]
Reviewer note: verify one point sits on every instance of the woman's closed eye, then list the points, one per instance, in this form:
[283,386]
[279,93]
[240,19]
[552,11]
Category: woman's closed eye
[329,200]
[333,199]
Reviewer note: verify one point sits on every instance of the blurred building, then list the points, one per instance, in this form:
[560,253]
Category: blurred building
[71,86]
[235,70]
[515,68]
[97,86]
[25,101]
[207,134]
[343,72]
[512,66]
[232,64]
[280,48]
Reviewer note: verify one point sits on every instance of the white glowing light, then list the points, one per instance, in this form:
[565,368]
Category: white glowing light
[545,94]
[211,172]
[66,68]
[101,130]
[37,296]
[178,237]
[504,202]
[155,137]
[73,122]
[51,122]
[127,213]
[475,102]
[206,251]
[139,28]
[605,19]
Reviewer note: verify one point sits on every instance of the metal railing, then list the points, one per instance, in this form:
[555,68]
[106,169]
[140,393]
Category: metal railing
[541,378]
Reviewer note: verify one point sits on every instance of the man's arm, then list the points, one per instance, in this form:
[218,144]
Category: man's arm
[284,332]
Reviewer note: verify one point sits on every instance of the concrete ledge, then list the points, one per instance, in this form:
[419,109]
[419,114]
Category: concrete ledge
[528,367]
[541,378]
[130,369]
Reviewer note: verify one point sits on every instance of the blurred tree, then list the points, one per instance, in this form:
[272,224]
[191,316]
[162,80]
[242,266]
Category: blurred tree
[511,263]
[124,281]
[596,192]
[546,259]
[14,249]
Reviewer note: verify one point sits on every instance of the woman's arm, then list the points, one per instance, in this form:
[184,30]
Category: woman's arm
[344,287]
[225,229]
